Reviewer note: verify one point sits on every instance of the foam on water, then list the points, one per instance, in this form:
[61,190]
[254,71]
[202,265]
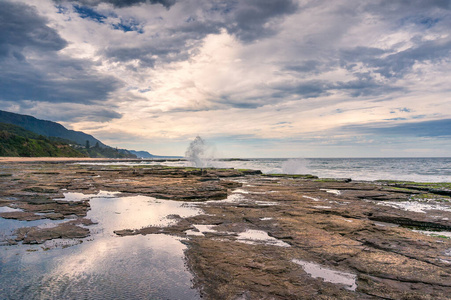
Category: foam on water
[405,169]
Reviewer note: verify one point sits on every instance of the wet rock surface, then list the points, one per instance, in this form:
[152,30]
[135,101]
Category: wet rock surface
[36,235]
[254,229]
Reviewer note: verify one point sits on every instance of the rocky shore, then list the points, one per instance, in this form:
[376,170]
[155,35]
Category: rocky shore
[260,236]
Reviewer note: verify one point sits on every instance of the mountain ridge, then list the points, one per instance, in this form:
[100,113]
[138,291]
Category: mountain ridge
[47,128]
[16,141]
[92,146]
[25,126]
[145,154]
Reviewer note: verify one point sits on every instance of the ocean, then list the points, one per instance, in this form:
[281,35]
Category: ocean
[368,169]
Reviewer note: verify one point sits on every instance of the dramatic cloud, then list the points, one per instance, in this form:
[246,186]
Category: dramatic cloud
[253,19]
[32,67]
[122,3]
[305,74]
[49,80]
[21,28]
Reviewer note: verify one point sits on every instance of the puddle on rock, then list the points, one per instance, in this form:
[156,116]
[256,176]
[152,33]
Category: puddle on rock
[4,209]
[233,198]
[311,198]
[440,234]
[240,191]
[136,212]
[200,230]
[339,203]
[328,275]
[335,192]
[238,198]
[384,224]
[60,243]
[266,203]
[252,236]
[77,197]
[415,206]
[8,227]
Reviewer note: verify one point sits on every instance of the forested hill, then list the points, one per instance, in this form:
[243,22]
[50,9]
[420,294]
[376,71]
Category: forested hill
[48,128]
[17,141]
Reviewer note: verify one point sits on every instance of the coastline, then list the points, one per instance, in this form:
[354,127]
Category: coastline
[255,236]
[62,159]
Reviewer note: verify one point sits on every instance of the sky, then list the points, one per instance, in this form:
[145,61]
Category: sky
[254,78]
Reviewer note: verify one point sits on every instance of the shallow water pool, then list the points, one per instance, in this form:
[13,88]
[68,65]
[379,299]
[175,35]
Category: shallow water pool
[105,266]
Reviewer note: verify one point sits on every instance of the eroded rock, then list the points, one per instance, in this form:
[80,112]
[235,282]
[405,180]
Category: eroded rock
[36,235]
[338,224]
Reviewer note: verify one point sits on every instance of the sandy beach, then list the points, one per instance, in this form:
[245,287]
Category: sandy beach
[56,159]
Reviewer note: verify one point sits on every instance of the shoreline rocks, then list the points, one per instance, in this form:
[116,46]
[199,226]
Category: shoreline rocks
[255,227]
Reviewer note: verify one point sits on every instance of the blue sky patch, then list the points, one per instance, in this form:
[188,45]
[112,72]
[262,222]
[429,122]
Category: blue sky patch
[89,13]
[434,128]
[429,22]
[129,25]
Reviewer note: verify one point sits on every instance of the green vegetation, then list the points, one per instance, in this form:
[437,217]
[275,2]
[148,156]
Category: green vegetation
[398,189]
[440,236]
[305,176]
[46,128]
[333,180]
[16,141]
[435,185]
[430,196]
[19,142]
[103,152]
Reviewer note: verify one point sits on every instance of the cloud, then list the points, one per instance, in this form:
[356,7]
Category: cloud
[402,7]
[58,81]
[33,69]
[89,13]
[307,67]
[306,89]
[247,19]
[182,28]
[122,3]
[254,19]
[23,28]
[68,113]
[280,69]
[396,64]
[433,128]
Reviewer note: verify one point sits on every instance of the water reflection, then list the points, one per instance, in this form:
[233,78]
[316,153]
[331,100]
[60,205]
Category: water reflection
[329,275]
[251,236]
[416,206]
[105,266]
